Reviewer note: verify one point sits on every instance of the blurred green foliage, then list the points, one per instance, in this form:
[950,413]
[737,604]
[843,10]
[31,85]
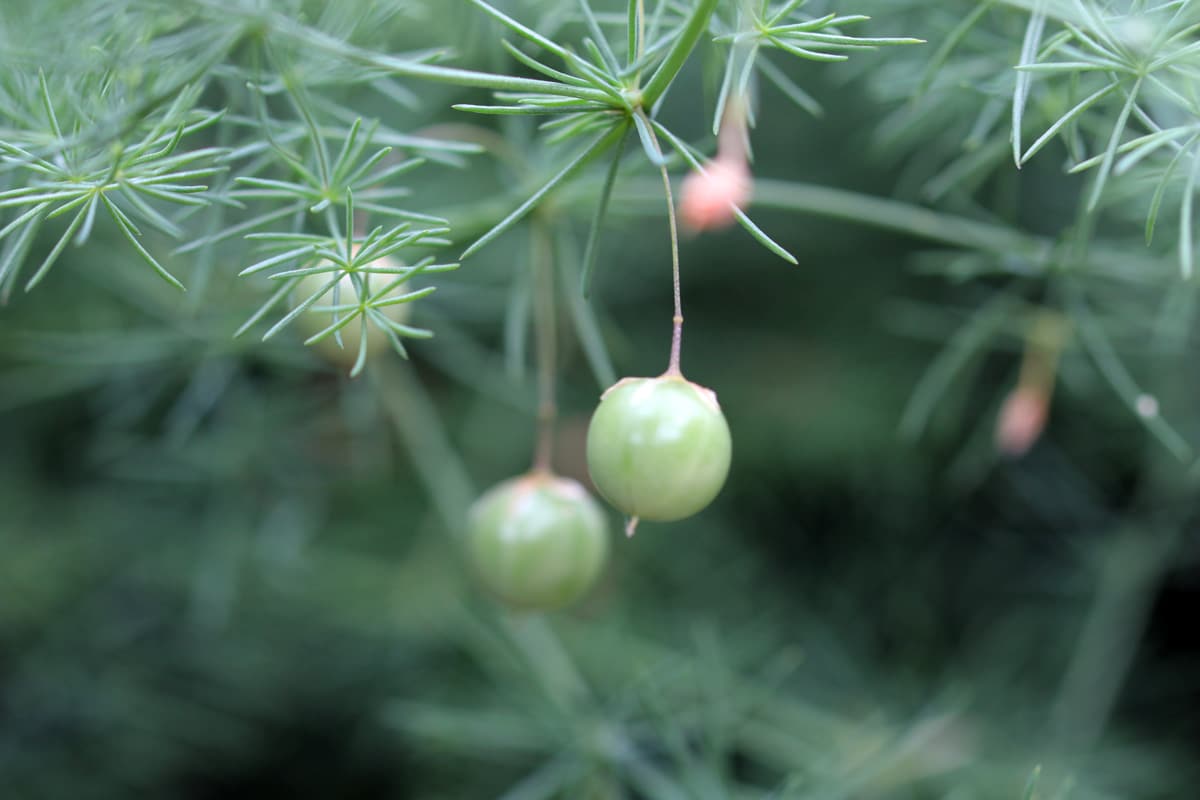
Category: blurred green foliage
[226,569]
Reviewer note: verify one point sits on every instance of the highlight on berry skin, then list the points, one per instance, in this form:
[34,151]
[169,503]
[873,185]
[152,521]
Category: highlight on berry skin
[658,448]
[537,542]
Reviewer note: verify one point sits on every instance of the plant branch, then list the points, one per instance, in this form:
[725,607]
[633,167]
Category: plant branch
[296,31]
[678,55]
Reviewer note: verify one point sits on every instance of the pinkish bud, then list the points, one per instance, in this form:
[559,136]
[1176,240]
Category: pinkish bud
[1021,420]
[709,199]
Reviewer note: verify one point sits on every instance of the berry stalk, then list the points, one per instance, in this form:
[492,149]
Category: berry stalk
[677,320]
[544,323]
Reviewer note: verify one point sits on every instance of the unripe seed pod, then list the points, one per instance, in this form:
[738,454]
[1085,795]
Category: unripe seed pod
[537,542]
[658,448]
[313,321]
[709,199]
[1022,419]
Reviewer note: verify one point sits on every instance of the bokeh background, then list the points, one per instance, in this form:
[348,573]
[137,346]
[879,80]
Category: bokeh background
[227,570]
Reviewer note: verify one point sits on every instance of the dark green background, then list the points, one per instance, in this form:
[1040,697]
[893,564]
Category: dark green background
[223,572]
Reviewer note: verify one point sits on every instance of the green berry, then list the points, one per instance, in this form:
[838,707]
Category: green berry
[313,321]
[537,542]
[658,448]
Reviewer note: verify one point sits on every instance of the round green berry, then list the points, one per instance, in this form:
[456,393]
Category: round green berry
[658,448]
[537,542]
[314,320]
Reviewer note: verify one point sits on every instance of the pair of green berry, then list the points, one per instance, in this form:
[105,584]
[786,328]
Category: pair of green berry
[657,449]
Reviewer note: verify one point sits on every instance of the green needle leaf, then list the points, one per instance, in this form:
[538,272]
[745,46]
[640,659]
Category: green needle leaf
[1161,189]
[587,328]
[14,254]
[961,347]
[350,149]
[1031,783]
[1186,250]
[526,110]
[48,105]
[631,32]
[805,53]
[652,151]
[335,326]
[605,141]
[361,361]
[131,234]
[1062,121]
[949,43]
[35,211]
[1113,142]
[788,8]
[1029,50]
[592,249]
[300,307]
[523,31]
[789,88]
[538,66]
[86,230]
[743,220]
[697,23]
[266,307]
[279,259]
[763,239]
[1098,345]
[56,251]
[609,57]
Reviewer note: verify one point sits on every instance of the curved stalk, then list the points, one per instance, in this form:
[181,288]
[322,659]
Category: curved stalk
[677,320]
[545,337]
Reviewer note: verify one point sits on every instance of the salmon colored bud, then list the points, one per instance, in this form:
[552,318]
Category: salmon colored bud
[709,198]
[1021,420]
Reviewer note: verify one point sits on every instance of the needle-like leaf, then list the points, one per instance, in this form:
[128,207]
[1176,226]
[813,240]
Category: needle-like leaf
[1029,50]
[593,241]
[595,149]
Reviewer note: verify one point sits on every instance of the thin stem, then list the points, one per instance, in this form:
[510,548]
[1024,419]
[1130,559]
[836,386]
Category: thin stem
[415,417]
[733,137]
[1127,581]
[677,321]
[544,322]
[1044,345]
